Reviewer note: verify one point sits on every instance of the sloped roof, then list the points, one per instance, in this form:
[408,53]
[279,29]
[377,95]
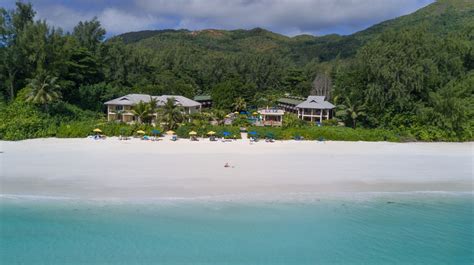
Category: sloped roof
[129,100]
[202,98]
[290,101]
[315,102]
[180,101]
[132,99]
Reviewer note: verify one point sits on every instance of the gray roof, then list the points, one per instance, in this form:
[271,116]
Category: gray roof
[132,99]
[129,100]
[315,102]
[180,101]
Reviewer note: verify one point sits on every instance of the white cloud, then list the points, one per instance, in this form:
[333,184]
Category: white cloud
[61,16]
[281,15]
[115,21]
[285,16]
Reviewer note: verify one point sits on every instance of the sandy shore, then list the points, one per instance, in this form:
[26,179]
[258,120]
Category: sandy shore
[135,169]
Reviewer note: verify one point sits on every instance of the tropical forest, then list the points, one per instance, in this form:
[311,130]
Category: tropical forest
[406,79]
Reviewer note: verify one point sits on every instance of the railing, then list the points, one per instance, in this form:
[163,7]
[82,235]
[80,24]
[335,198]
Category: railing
[121,112]
[268,123]
[271,110]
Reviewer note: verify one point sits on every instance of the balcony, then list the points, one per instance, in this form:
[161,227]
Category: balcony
[268,123]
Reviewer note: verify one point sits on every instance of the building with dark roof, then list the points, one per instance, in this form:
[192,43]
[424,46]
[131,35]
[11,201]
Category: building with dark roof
[205,100]
[289,103]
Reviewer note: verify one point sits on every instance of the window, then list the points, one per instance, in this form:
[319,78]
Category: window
[119,107]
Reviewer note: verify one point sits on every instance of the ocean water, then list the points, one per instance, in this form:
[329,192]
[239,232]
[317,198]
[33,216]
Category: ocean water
[386,228]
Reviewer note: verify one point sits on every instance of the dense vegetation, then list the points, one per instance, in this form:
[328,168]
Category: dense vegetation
[410,78]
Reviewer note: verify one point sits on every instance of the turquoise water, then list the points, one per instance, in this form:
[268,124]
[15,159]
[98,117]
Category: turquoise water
[362,229]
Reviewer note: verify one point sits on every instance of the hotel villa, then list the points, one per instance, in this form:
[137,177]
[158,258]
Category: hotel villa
[120,109]
[313,108]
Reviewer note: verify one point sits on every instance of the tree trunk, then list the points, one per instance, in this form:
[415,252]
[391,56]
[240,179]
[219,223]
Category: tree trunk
[353,123]
[322,85]
[11,77]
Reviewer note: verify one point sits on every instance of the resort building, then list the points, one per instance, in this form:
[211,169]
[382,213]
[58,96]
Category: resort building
[289,103]
[205,100]
[270,117]
[313,108]
[120,109]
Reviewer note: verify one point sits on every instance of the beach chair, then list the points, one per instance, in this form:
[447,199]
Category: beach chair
[174,138]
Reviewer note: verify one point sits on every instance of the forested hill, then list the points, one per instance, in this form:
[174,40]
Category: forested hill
[413,74]
[440,18]
[301,48]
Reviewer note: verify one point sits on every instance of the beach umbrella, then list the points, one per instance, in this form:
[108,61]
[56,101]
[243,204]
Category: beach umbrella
[170,132]
[270,135]
[255,113]
[227,116]
[141,132]
[236,112]
[155,132]
[253,133]
[226,133]
[97,130]
[211,132]
[192,133]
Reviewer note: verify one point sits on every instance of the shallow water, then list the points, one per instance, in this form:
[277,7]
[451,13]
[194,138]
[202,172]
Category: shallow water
[387,228]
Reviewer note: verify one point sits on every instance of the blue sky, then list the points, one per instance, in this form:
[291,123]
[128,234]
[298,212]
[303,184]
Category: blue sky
[289,17]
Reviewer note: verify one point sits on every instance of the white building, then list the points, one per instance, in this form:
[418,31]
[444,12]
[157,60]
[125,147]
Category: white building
[120,109]
[315,108]
[270,117]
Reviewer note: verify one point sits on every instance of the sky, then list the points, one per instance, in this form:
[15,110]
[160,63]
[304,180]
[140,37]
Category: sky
[288,17]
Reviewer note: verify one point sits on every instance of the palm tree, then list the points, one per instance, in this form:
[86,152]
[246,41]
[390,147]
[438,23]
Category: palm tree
[153,104]
[239,104]
[43,89]
[142,111]
[351,110]
[171,114]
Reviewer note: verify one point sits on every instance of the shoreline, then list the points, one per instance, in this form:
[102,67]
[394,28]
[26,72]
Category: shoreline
[206,139]
[133,170]
[289,198]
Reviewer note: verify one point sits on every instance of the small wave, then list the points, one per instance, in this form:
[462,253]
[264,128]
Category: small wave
[248,198]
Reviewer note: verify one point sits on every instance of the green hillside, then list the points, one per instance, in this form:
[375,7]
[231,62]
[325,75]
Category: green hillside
[440,18]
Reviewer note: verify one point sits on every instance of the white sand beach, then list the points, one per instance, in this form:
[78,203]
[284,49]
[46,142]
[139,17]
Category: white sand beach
[136,169]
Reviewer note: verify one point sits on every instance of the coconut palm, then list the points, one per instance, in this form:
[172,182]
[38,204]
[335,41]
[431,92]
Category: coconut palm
[43,90]
[153,104]
[171,114]
[351,110]
[239,104]
[142,111]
